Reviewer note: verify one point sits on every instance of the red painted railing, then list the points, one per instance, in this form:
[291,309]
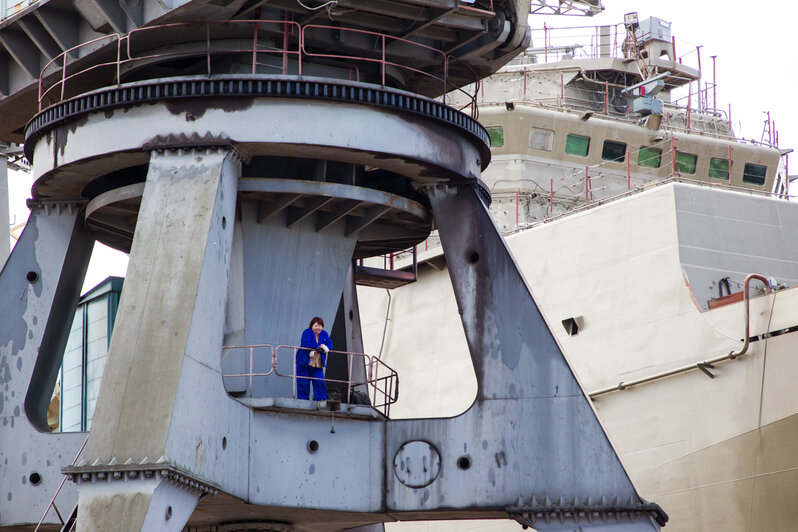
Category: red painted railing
[381,381]
[225,37]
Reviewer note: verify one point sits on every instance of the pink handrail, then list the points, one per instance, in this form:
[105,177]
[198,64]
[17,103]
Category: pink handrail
[124,43]
[227,349]
[126,54]
[256,25]
[64,58]
[382,388]
[382,60]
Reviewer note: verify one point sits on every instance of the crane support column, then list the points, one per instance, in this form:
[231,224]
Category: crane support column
[533,461]
[40,286]
[157,433]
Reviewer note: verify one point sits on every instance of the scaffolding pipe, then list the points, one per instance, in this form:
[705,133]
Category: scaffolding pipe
[698,52]
[587,184]
[787,175]
[715,86]
[628,172]
[673,159]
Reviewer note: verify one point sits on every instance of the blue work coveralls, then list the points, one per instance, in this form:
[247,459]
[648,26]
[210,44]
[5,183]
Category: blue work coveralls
[303,370]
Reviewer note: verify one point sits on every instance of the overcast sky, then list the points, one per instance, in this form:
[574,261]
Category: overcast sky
[754,66]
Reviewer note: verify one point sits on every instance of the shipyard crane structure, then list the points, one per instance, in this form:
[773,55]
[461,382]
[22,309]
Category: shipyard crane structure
[245,153]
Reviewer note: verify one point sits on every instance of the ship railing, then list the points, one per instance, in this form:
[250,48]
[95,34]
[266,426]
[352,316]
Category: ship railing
[597,96]
[635,189]
[379,380]
[705,365]
[605,97]
[705,122]
[64,77]
[695,99]
[552,44]
[52,505]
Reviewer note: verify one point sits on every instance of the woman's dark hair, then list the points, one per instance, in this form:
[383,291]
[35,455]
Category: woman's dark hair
[316,319]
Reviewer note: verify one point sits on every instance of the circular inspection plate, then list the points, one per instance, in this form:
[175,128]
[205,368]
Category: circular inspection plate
[417,464]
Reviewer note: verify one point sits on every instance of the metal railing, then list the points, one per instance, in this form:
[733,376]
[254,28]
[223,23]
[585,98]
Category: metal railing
[390,260]
[691,96]
[593,41]
[381,381]
[220,38]
[654,183]
[603,99]
[57,491]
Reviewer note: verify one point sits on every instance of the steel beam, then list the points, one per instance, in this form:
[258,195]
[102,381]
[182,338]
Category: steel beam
[4,204]
[267,210]
[104,16]
[40,37]
[22,50]
[372,215]
[155,437]
[40,287]
[354,333]
[312,204]
[531,430]
[63,26]
[341,210]
[134,9]
[5,80]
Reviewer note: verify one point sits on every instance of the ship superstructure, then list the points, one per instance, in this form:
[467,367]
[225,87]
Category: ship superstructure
[572,122]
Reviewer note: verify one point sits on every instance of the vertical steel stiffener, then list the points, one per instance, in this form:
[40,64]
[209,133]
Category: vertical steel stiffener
[242,200]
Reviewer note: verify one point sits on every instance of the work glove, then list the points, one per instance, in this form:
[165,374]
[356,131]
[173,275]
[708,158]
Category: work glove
[324,348]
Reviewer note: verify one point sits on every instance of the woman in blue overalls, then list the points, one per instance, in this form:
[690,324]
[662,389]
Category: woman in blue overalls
[310,362]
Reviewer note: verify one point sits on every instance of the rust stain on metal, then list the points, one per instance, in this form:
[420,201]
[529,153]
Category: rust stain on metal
[194,109]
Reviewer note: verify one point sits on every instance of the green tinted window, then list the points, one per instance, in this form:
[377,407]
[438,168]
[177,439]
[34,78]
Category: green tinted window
[719,168]
[754,173]
[651,157]
[613,151]
[577,145]
[496,136]
[685,162]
